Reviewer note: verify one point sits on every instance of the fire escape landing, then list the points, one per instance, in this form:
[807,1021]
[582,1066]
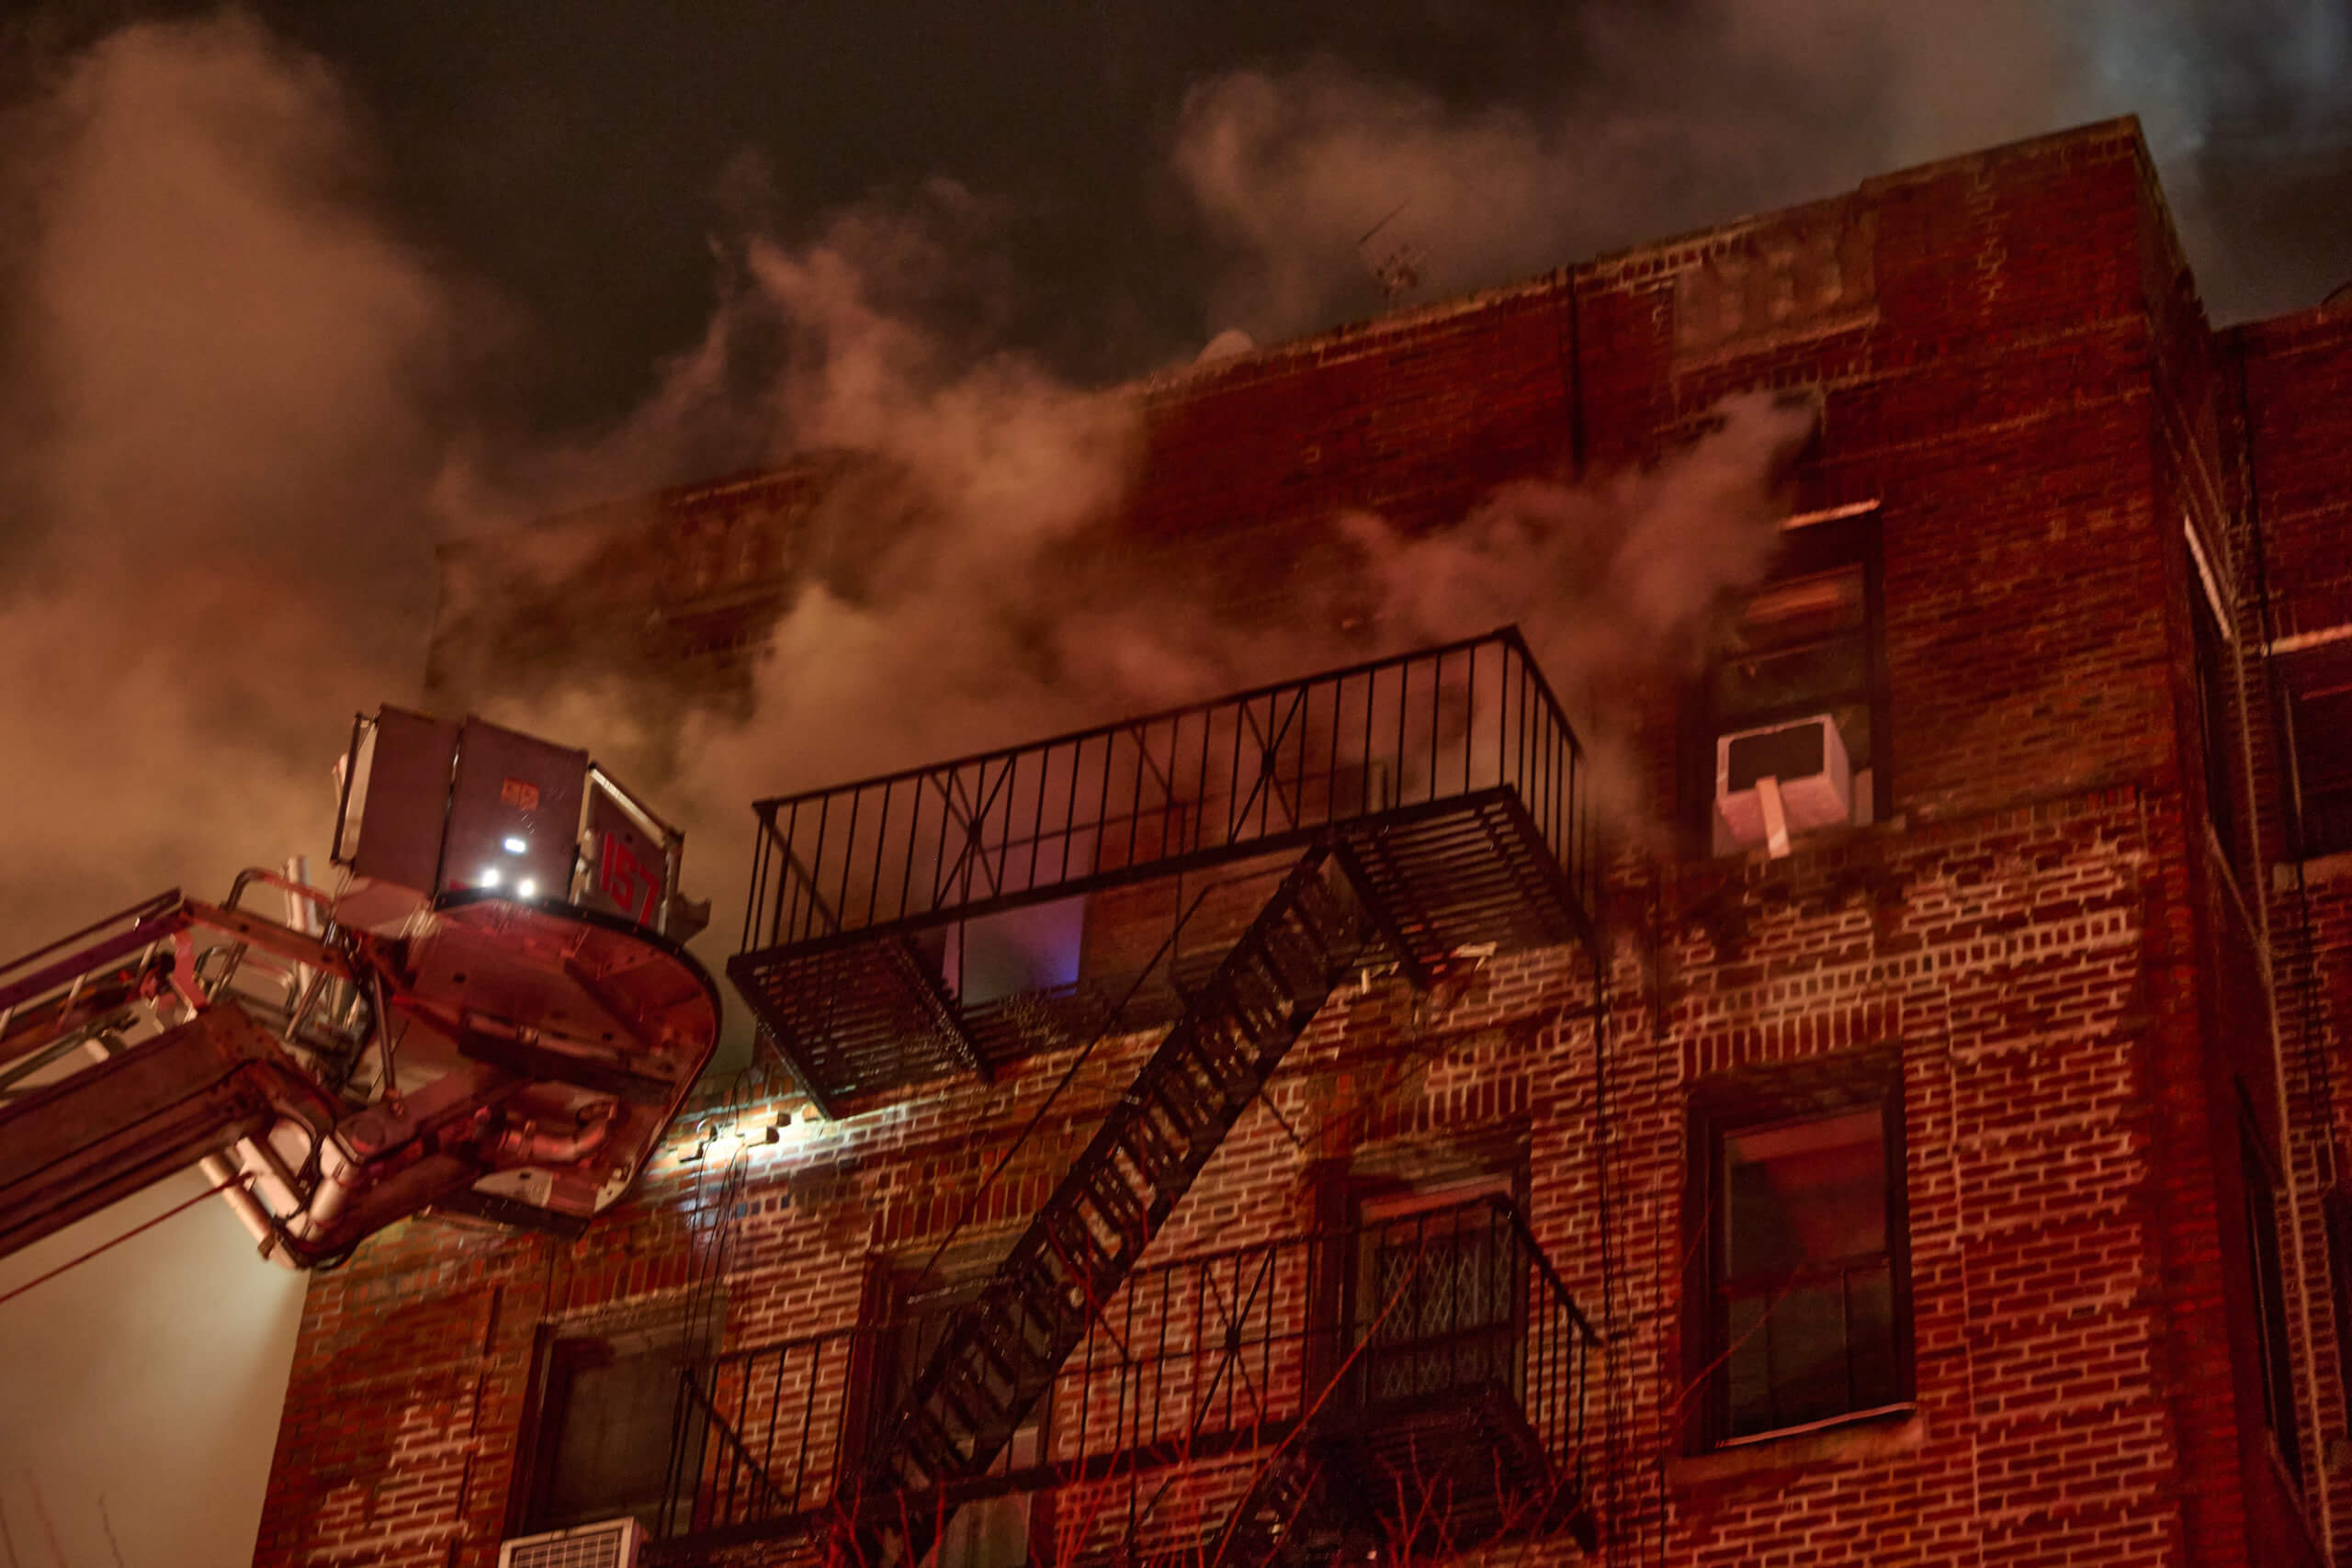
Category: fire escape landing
[1422,1381]
[1449,780]
[1423,806]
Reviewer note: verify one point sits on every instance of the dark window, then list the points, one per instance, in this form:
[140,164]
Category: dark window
[2269,1283]
[2216,715]
[2319,723]
[1796,686]
[2337,1210]
[607,1404]
[988,1531]
[1800,1309]
[1435,1296]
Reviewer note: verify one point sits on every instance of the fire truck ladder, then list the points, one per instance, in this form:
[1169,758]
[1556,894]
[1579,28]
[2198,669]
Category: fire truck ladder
[1001,1353]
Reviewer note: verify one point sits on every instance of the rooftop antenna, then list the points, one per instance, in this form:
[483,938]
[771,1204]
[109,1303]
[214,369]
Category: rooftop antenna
[1397,271]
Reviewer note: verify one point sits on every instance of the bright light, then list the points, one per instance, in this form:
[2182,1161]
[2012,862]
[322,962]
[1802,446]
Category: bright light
[724,1144]
[527,888]
[490,877]
[515,846]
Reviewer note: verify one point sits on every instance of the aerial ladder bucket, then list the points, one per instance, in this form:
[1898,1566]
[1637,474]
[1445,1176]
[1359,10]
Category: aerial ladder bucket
[489,1012]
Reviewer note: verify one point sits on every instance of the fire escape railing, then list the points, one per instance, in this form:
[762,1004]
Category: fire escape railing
[1235,1357]
[1259,771]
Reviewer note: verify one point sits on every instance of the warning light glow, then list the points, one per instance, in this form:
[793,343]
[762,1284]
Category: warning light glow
[515,846]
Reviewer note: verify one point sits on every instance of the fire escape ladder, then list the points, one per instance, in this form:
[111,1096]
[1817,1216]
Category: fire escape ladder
[1294,1517]
[1002,1352]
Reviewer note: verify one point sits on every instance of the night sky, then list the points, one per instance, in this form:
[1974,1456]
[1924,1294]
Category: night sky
[582,163]
[290,292]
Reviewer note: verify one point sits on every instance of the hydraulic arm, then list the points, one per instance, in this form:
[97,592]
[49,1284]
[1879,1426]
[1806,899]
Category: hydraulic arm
[487,1012]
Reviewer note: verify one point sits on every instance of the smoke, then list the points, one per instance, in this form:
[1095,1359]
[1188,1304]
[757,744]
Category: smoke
[1686,115]
[233,399]
[1619,585]
[234,410]
[968,587]
[216,431]
[220,386]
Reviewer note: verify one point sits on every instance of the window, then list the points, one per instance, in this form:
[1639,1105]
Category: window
[988,1532]
[608,1402]
[1791,720]
[2269,1288]
[1435,1291]
[2336,1208]
[1798,1314]
[2216,705]
[2318,682]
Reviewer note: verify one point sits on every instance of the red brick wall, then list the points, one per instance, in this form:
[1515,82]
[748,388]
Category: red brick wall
[2015,368]
[2287,392]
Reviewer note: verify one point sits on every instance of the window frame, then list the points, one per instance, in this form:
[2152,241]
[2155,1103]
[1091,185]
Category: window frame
[1738,1103]
[674,1331]
[2215,681]
[905,1312]
[1375,1208]
[2321,801]
[1812,544]
[2266,1285]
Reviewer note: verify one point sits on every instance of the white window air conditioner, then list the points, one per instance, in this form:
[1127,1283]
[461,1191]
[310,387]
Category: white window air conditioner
[609,1543]
[1783,779]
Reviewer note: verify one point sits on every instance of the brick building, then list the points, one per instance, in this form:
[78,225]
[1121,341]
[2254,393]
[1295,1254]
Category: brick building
[1336,1144]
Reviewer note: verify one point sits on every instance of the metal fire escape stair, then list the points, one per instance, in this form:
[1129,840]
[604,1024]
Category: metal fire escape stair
[1294,1516]
[1435,1477]
[1001,1354]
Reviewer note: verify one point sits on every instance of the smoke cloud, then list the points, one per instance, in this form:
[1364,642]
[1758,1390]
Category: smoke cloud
[1689,114]
[218,379]
[238,424]
[217,429]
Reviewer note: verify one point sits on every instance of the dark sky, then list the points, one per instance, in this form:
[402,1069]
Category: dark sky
[581,156]
[578,160]
[290,292]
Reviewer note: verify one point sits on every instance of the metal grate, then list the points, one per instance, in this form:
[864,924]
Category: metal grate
[1438,1349]
[1450,774]
[609,1543]
[1253,773]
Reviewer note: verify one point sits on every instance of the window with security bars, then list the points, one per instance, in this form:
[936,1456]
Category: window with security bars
[1437,1301]
[1800,1316]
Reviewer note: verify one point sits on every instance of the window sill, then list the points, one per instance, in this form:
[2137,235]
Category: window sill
[1879,1435]
[2333,866]
[1808,843]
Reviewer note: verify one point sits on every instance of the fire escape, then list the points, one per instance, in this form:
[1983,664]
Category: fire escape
[1403,813]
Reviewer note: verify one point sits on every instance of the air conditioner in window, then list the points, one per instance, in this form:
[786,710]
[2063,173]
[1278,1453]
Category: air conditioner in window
[609,1543]
[1783,779]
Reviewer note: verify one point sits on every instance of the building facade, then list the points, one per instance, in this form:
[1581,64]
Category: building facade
[1332,1138]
